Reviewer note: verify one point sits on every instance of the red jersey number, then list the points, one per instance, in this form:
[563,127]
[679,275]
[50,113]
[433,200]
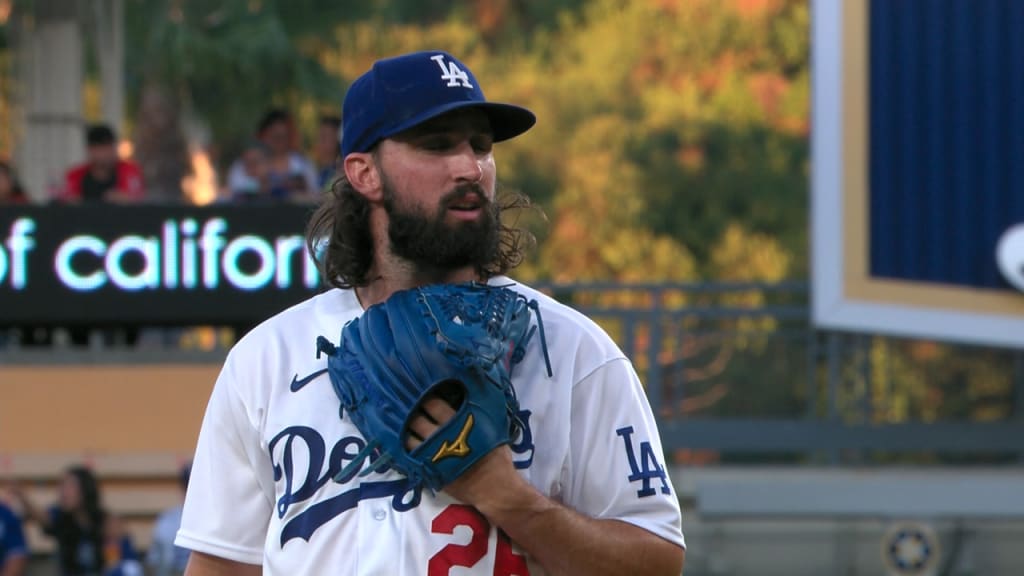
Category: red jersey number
[506,561]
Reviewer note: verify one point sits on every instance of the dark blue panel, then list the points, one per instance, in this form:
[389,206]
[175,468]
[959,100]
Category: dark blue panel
[963,130]
[992,167]
[882,210]
[946,144]
[905,79]
[1014,23]
[937,147]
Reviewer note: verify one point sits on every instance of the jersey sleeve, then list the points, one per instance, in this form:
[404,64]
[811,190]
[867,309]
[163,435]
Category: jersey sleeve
[617,468]
[228,504]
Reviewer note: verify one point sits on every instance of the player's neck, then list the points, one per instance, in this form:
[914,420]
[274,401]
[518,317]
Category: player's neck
[401,276]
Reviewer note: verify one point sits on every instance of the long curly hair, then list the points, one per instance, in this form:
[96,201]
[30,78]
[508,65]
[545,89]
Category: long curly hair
[89,489]
[338,236]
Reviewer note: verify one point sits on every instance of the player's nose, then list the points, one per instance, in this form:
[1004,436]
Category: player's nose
[467,165]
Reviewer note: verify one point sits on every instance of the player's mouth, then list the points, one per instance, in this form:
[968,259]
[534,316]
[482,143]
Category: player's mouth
[467,207]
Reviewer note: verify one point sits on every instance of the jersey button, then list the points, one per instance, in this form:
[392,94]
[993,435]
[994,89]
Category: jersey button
[379,514]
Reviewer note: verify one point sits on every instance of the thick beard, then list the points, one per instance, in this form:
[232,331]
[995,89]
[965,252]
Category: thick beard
[430,244]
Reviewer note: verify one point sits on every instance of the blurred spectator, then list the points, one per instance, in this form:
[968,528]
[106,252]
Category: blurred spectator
[104,176]
[76,522]
[13,551]
[327,149]
[11,191]
[291,175]
[164,558]
[252,183]
[120,557]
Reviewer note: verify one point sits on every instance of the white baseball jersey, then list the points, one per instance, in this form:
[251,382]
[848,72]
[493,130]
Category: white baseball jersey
[262,488]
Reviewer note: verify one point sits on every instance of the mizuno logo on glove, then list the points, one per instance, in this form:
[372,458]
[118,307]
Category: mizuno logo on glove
[458,448]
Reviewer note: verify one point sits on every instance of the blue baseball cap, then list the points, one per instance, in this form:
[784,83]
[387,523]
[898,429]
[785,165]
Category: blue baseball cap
[401,92]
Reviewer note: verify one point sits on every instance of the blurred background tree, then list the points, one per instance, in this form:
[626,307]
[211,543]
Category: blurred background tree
[6,82]
[202,71]
[663,123]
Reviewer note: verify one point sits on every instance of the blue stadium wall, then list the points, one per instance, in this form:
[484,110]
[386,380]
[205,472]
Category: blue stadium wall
[946,137]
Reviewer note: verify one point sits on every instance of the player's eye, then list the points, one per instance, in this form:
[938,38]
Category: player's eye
[436,143]
[483,143]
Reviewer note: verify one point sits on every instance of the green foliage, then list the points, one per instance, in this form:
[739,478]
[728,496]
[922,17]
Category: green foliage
[231,61]
[706,115]
[6,85]
[930,381]
[661,123]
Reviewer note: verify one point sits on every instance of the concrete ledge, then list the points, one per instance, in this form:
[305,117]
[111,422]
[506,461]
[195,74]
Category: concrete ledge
[992,493]
[43,467]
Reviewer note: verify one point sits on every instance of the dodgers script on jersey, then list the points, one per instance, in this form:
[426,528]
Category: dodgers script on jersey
[263,487]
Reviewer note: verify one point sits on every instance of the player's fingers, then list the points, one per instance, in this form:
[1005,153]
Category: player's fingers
[438,409]
[411,443]
[426,415]
[412,439]
[432,414]
[420,428]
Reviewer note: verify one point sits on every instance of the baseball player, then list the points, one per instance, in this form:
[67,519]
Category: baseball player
[581,489]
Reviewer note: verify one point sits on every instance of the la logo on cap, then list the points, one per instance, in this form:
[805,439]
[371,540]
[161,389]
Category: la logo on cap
[451,72]
[403,91]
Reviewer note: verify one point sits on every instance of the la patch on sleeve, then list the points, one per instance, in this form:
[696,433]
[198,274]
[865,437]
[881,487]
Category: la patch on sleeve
[647,469]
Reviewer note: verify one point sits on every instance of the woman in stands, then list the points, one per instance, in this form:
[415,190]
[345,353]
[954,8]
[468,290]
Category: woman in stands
[76,522]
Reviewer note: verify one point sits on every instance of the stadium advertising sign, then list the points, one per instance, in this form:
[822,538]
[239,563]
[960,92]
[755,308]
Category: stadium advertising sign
[917,204]
[151,264]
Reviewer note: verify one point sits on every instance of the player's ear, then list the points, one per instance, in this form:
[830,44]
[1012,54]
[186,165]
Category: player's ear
[362,172]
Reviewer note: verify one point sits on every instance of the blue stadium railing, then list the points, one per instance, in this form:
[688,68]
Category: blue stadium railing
[737,372]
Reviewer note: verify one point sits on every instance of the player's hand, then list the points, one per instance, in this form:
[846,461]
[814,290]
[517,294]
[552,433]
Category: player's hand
[436,409]
[433,413]
[486,483]
[491,483]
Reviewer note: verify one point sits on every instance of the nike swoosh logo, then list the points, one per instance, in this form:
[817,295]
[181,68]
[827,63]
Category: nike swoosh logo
[298,383]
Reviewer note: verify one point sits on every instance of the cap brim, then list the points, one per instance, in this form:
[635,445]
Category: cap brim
[507,120]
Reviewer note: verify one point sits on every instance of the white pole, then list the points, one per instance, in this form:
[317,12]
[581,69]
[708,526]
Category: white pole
[50,77]
[109,16]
